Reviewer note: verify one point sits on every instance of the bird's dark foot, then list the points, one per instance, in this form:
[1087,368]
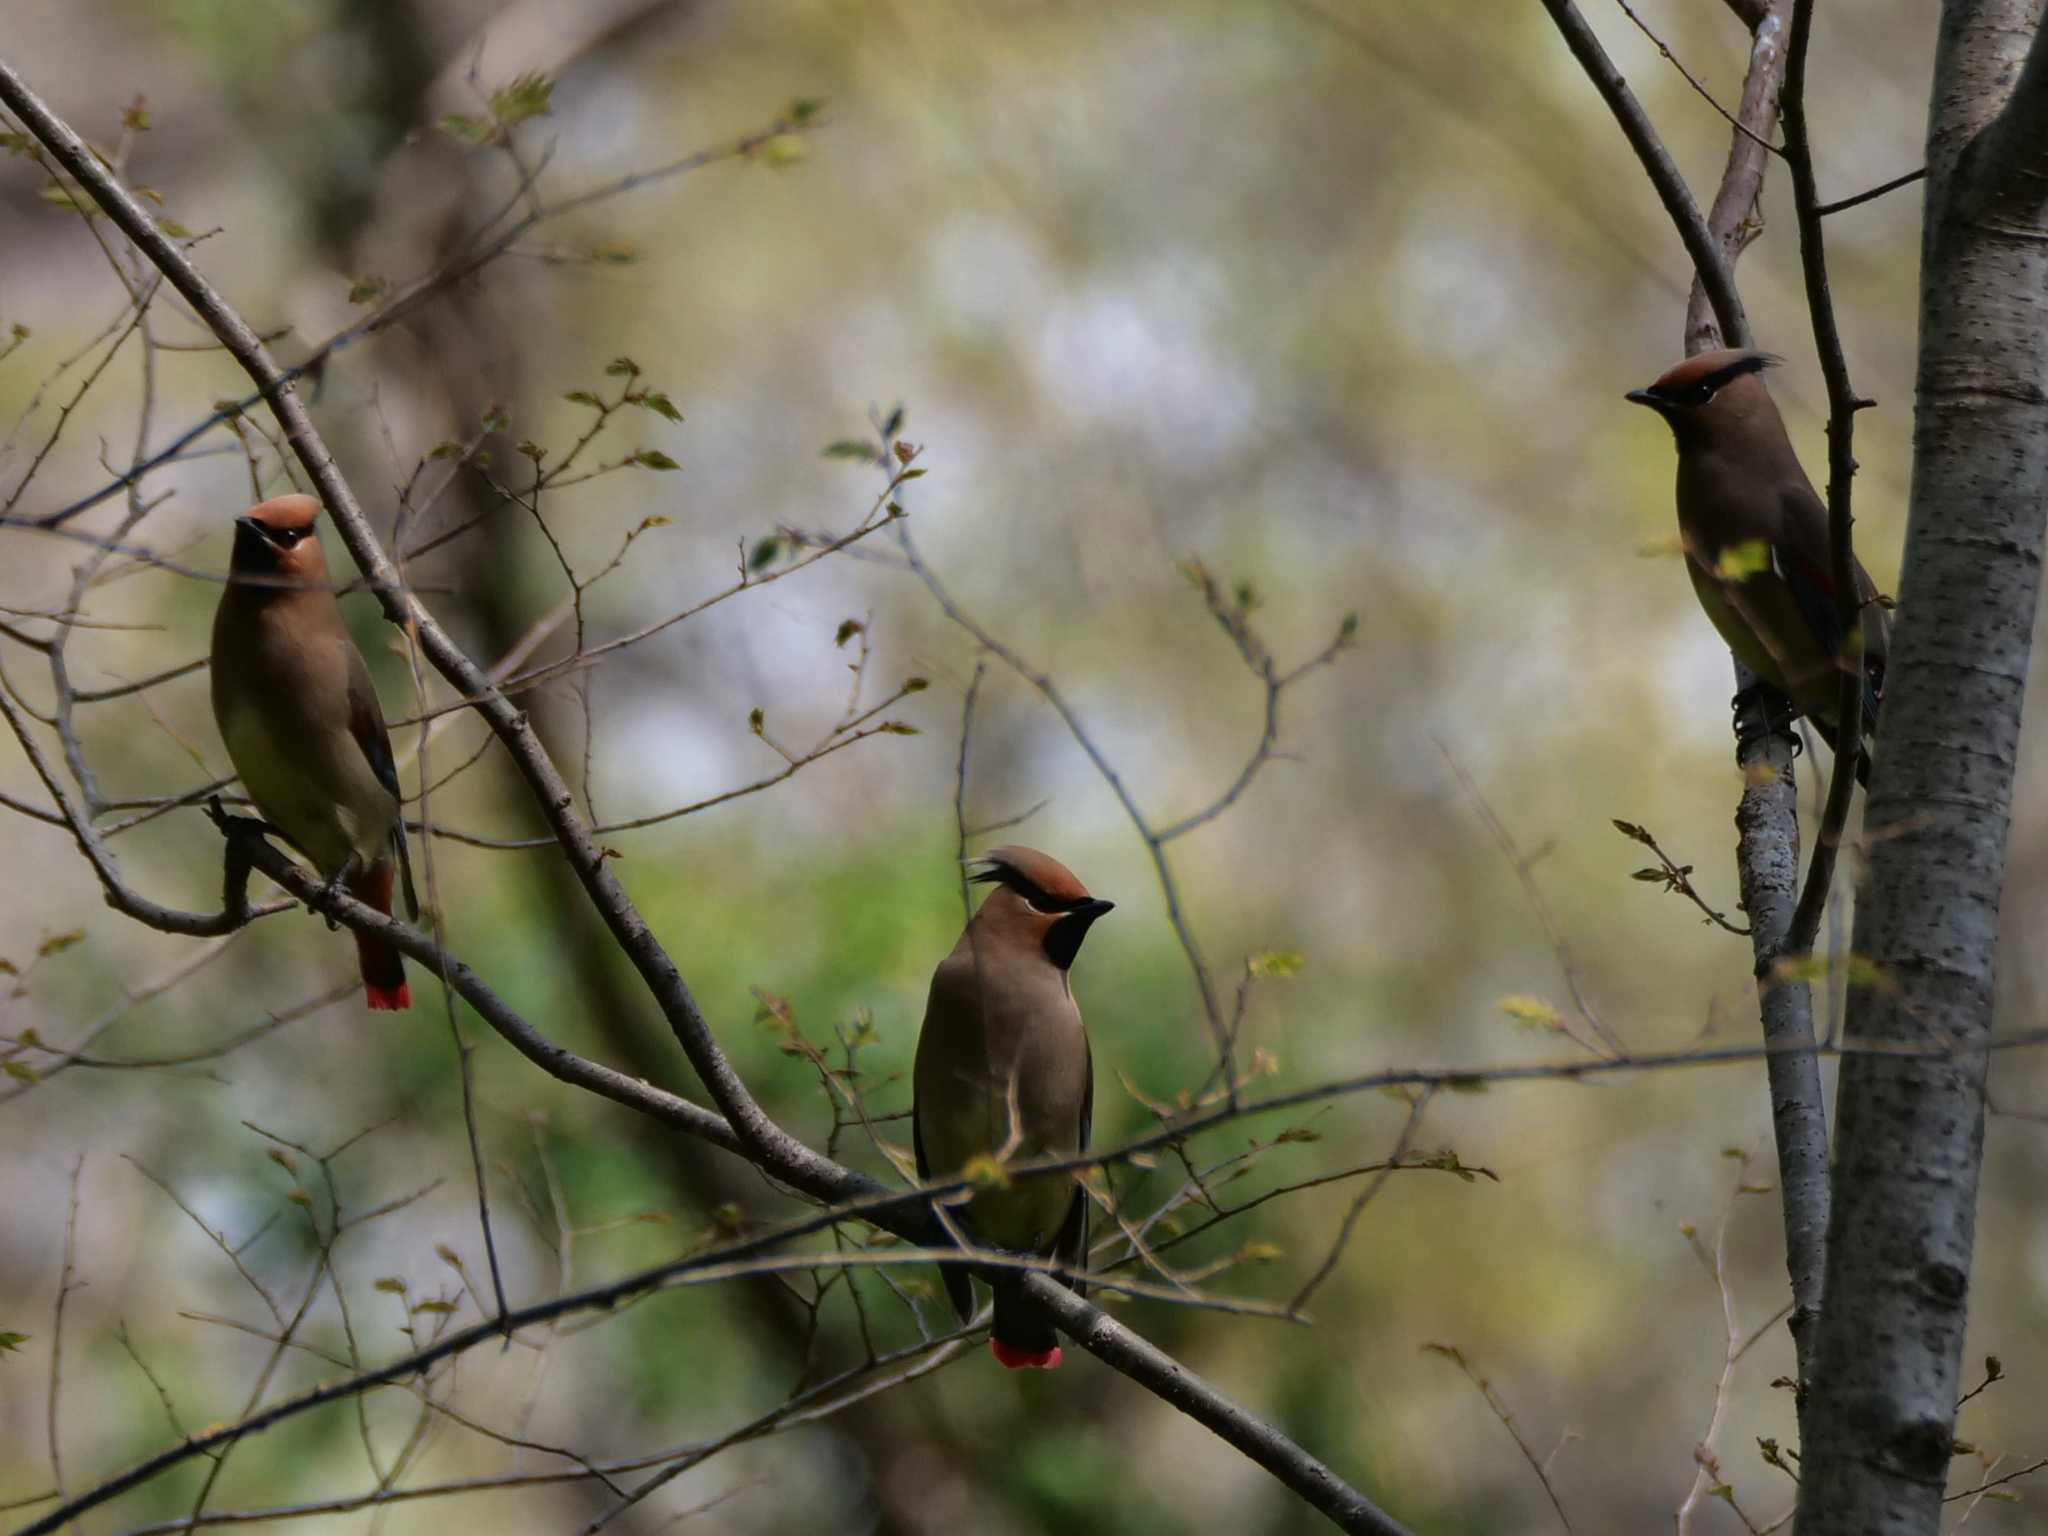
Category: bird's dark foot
[235,826]
[1762,712]
[335,882]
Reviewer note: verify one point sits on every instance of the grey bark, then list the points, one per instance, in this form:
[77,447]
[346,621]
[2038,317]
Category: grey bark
[1911,1126]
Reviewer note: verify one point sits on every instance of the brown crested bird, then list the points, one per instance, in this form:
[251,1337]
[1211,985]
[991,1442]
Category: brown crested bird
[299,714]
[1756,538]
[1003,1072]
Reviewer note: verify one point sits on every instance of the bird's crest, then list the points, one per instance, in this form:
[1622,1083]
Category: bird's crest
[1707,372]
[282,512]
[1038,877]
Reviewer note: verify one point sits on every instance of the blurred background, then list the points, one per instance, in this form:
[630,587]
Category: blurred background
[1334,297]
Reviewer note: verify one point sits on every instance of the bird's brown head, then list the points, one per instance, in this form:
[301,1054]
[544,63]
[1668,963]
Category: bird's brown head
[277,543]
[1713,394]
[1038,900]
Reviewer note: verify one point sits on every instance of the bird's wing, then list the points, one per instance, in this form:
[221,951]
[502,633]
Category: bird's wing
[366,723]
[1802,559]
[1805,561]
[959,1286]
[924,1167]
[1070,1248]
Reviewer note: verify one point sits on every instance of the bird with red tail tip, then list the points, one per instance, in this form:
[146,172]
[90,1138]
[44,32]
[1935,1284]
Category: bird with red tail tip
[1004,1073]
[1756,539]
[296,707]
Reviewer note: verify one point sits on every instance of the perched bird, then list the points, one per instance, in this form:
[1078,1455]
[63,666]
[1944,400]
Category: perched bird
[299,715]
[1003,1072]
[1756,538]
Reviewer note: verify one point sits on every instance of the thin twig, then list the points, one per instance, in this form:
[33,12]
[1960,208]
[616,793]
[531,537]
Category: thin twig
[1842,206]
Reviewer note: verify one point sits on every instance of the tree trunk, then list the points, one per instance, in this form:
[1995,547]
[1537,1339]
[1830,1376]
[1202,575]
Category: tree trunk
[1911,1123]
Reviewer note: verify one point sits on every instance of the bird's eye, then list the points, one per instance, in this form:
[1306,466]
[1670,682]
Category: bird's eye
[285,538]
[1699,394]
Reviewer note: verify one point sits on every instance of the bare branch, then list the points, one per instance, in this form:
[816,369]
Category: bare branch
[1845,204]
[1707,259]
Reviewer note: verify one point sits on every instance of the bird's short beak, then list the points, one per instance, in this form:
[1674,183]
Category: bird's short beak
[1656,403]
[1093,909]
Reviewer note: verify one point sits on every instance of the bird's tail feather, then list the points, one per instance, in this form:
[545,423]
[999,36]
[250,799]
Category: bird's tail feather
[1022,1339]
[383,967]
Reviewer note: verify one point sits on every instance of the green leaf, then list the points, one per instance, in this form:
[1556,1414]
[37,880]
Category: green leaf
[391,1285]
[363,290]
[16,143]
[763,555]
[755,719]
[621,368]
[654,458]
[1530,1012]
[848,628]
[1276,963]
[1739,562]
[916,684]
[898,728]
[470,130]
[1447,1161]
[10,1341]
[850,448]
[655,401]
[20,1071]
[57,943]
[804,108]
[984,1172]
[583,397]
[529,95]
[64,197]
[174,229]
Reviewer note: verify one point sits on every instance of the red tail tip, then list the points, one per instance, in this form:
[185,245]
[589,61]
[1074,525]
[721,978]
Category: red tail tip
[1016,1359]
[389,999]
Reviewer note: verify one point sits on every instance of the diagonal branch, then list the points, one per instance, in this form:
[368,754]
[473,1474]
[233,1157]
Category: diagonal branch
[1714,272]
